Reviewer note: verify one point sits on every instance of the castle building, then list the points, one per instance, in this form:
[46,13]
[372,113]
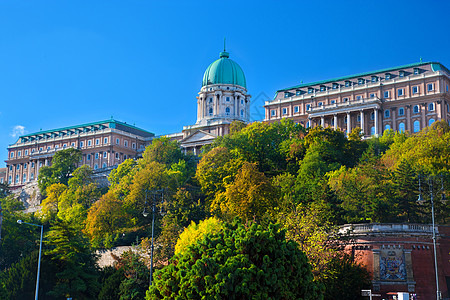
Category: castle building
[222,99]
[103,145]
[405,98]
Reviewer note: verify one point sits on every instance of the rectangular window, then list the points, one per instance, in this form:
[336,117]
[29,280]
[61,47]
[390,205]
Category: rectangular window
[25,165]
[374,78]
[26,152]
[358,97]
[322,88]
[286,95]
[32,164]
[89,143]
[242,101]
[400,92]
[19,153]
[333,101]
[117,142]
[296,109]
[284,111]
[105,140]
[401,73]
[360,81]
[97,141]
[415,89]
[416,71]
[96,155]
[430,87]
[386,94]
[125,157]
[125,143]
[348,83]
[105,154]
[345,99]
[310,90]
[298,93]
[335,86]
[228,99]
[273,112]
[117,155]
[133,146]
[65,145]
[387,76]
[12,154]
[372,95]
[88,157]
[81,144]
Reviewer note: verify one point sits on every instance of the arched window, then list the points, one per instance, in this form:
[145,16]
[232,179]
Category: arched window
[416,126]
[308,124]
[227,111]
[430,122]
[387,113]
[308,107]
[242,112]
[210,111]
[416,109]
[431,107]
[372,130]
[401,127]
[95,166]
[104,165]
[401,111]
[387,127]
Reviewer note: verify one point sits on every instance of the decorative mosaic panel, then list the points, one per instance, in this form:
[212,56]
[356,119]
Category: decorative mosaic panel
[392,264]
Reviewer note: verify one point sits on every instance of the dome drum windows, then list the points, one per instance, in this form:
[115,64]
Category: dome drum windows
[387,114]
[401,111]
[416,109]
[227,111]
[431,107]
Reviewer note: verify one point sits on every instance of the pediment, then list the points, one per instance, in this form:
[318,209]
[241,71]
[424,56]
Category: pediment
[199,136]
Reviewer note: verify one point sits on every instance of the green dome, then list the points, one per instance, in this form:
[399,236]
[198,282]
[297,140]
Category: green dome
[225,71]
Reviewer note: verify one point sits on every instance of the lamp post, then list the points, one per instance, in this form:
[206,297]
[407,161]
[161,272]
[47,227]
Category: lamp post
[145,214]
[39,260]
[421,200]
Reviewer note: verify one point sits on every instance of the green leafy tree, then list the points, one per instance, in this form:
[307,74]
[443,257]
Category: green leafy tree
[76,268]
[64,162]
[195,232]
[238,263]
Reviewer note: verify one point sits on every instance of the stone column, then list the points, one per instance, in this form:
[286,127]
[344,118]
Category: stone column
[322,121]
[349,125]
[408,118]
[393,112]
[216,110]
[335,119]
[236,106]
[375,113]
[362,121]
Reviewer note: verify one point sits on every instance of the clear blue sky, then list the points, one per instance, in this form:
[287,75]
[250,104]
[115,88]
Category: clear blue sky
[64,63]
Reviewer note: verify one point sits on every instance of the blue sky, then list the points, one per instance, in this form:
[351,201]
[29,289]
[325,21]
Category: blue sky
[64,63]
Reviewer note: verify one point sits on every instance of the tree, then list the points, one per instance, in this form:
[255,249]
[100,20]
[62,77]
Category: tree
[76,268]
[238,263]
[164,151]
[50,205]
[64,162]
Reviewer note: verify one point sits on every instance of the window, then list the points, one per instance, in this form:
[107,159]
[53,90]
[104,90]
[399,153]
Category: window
[96,155]
[401,73]
[32,176]
[348,83]
[89,143]
[446,88]
[104,165]
[210,100]
[345,119]
[125,143]
[401,111]
[56,146]
[117,142]
[65,145]
[25,166]
[284,111]
[372,130]
[387,127]
[416,126]
[1,180]
[210,111]
[345,99]
[95,166]
[322,88]
[32,164]
[358,118]
[387,113]
[286,95]
[298,93]
[333,101]
[18,167]
[360,81]
[12,154]
[81,144]
[24,178]
[26,152]
[296,109]
[88,157]
[320,103]
[9,180]
[10,168]
[372,95]
[17,178]
[372,116]
[416,71]
[430,87]
[431,107]
[358,97]
[97,141]
[105,140]
[332,122]
[335,86]
[415,89]
[400,92]
[227,99]
[227,111]
[40,164]
[430,122]
[401,127]
[125,156]
[105,154]
[242,112]
[117,155]
[133,145]
[308,107]
[416,109]
[242,101]
[387,76]
[273,112]
[308,124]
[310,90]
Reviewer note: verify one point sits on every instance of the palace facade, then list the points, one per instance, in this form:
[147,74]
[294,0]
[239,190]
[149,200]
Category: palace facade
[405,98]
[103,145]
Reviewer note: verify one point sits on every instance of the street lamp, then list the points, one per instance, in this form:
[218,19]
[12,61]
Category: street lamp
[39,260]
[145,214]
[421,200]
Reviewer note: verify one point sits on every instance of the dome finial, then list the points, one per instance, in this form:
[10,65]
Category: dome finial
[224,53]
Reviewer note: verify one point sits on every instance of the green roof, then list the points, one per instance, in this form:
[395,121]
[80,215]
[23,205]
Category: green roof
[111,123]
[435,66]
[224,71]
